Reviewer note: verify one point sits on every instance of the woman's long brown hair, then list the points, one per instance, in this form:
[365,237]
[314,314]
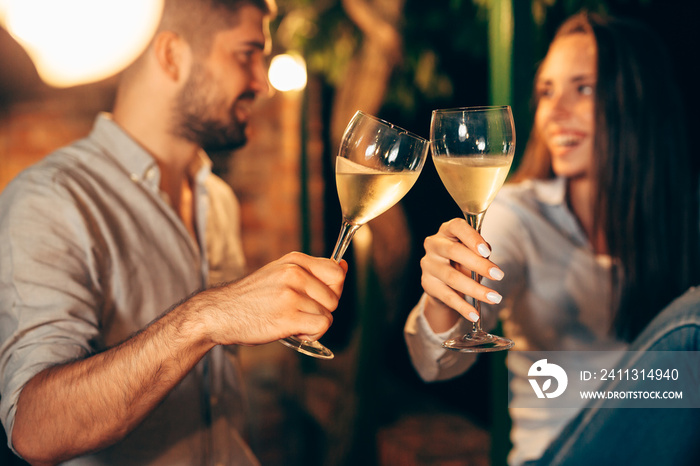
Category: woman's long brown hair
[646,190]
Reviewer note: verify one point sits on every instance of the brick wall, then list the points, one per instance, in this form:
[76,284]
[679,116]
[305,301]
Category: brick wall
[30,129]
[265,174]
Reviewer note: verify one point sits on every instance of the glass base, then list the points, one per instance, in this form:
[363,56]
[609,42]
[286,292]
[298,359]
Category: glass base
[309,348]
[480,342]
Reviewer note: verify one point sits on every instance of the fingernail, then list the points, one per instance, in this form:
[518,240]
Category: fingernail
[484,250]
[473,316]
[496,273]
[494,297]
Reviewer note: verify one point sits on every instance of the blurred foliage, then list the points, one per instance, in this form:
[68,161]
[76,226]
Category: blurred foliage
[443,40]
[439,37]
[319,30]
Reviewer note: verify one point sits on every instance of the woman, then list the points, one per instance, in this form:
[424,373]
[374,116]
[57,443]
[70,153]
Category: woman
[594,236]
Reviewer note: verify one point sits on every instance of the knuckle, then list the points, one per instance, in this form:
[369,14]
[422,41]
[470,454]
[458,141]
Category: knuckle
[453,249]
[453,302]
[453,277]
[292,273]
[426,280]
[332,303]
[339,274]
[294,255]
[424,262]
[322,325]
[456,224]
[287,294]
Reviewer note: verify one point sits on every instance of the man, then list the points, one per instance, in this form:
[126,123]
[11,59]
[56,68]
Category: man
[101,238]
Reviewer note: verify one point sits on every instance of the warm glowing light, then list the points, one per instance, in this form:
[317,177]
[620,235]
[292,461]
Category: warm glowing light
[79,41]
[287,73]
[362,247]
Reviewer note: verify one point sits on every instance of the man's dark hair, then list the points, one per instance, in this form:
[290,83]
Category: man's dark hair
[197,21]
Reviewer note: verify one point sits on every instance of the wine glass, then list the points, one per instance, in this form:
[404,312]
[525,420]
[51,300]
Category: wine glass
[377,164]
[472,150]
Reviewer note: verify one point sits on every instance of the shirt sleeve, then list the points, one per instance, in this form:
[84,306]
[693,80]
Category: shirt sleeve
[503,229]
[49,305]
[429,358]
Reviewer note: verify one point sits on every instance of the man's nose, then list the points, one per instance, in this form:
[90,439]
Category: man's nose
[260,83]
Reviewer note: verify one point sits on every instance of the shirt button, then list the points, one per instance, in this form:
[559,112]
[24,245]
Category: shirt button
[134,177]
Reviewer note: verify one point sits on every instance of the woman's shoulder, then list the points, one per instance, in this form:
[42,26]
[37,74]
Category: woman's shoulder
[549,191]
[529,202]
[533,193]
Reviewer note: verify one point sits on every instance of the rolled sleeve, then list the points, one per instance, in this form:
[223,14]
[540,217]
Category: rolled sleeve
[48,309]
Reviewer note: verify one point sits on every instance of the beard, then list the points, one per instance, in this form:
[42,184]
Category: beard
[194,115]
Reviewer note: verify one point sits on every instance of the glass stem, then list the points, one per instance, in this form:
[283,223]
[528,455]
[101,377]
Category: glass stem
[474,220]
[347,231]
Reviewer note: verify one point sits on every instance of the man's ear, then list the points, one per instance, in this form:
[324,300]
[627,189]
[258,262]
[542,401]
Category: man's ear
[172,54]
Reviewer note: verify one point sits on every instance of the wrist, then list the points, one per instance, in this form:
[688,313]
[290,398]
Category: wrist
[191,319]
[438,315]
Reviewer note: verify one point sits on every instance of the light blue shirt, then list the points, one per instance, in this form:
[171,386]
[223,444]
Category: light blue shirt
[91,253]
[556,297]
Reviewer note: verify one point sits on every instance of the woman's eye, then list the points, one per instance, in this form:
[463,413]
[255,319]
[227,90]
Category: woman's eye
[543,92]
[585,89]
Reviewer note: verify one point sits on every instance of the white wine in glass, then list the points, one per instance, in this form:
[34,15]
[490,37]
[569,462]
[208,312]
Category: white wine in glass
[365,193]
[473,149]
[377,164]
[472,181]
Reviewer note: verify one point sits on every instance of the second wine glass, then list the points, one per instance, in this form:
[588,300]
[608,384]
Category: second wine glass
[473,149]
[377,164]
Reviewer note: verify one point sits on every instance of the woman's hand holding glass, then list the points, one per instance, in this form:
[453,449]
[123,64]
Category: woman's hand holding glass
[473,149]
[451,255]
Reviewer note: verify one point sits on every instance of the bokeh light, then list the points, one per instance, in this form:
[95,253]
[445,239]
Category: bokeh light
[287,73]
[75,42]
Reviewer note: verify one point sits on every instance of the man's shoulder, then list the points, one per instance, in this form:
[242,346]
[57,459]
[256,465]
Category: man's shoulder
[215,182]
[219,190]
[54,175]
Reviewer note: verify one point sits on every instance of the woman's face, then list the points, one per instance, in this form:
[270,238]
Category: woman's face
[565,110]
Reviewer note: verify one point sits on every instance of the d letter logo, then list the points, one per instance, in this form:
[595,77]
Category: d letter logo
[543,369]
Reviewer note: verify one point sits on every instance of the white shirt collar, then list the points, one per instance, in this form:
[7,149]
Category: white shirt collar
[551,192]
